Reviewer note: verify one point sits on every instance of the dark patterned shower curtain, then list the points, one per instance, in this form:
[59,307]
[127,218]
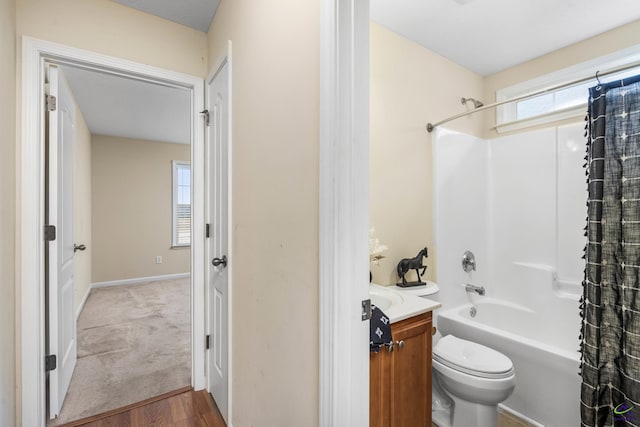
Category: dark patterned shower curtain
[610,305]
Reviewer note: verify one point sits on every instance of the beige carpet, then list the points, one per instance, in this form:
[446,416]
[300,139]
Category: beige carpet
[134,342]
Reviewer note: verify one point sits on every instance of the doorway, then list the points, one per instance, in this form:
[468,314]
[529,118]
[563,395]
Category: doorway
[119,291]
[33,207]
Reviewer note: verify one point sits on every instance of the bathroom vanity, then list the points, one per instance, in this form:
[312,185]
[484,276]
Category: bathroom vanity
[400,378]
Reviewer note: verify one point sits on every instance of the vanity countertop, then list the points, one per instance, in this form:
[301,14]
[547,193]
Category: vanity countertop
[399,305]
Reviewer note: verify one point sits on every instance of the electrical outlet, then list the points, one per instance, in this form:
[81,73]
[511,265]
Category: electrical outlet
[159,259]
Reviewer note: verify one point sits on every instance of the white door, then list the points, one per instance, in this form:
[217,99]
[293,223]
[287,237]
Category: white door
[59,213]
[217,147]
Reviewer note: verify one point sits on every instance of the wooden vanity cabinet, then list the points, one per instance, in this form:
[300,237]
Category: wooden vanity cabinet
[400,381]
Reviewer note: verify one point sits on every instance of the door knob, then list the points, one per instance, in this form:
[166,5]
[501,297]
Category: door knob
[77,248]
[219,261]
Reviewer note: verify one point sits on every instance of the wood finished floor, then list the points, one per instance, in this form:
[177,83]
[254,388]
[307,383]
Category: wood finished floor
[188,409]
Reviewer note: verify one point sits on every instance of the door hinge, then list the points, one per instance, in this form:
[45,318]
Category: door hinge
[50,362]
[207,342]
[366,309]
[205,115]
[49,233]
[51,103]
[207,230]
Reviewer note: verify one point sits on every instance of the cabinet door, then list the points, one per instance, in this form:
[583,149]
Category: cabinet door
[379,388]
[411,372]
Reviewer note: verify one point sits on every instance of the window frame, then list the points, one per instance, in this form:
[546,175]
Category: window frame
[506,115]
[175,165]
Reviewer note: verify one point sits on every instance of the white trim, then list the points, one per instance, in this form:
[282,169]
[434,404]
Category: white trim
[30,192]
[344,212]
[542,119]
[506,114]
[137,280]
[230,239]
[83,302]
[227,58]
[197,238]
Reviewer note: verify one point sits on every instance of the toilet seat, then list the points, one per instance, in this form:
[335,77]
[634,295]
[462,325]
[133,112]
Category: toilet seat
[472,358]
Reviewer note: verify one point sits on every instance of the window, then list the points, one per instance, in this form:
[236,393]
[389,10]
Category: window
[558,100]
[181,204]
[567,102]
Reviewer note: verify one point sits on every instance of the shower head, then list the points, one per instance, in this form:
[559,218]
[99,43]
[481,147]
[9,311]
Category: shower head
[476,103]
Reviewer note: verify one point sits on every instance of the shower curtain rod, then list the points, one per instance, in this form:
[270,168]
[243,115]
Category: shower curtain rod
[432,126]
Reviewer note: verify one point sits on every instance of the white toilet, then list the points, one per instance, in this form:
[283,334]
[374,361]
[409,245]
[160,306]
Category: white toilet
[476,378]
[469,379]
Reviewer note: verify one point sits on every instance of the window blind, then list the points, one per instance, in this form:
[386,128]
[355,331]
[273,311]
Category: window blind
[181,203]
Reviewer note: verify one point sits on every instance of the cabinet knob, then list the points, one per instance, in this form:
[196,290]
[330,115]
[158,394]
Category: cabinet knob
[400,344]
[433,330]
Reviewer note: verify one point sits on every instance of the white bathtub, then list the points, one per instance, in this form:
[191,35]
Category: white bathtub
[544,351]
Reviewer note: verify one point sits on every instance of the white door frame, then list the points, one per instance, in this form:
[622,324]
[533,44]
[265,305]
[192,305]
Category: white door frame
[31,208]
[344,212]
[218,64]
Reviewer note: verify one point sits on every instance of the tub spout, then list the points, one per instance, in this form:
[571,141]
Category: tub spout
[472,288]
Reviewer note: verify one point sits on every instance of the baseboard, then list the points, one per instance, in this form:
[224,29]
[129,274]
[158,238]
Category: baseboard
[522,419]
[140,280]
[83,302]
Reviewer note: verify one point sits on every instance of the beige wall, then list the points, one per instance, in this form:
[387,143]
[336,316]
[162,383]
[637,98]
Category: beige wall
[275,207]
[82,208]
[600,45]
[7,210]
[410,86]
[131,187]
[110,28]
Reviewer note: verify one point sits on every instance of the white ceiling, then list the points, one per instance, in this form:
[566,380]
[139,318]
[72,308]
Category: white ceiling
[196,14]
[128,108]
[487,36]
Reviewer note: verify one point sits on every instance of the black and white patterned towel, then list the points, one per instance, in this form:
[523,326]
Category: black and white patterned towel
[379,330]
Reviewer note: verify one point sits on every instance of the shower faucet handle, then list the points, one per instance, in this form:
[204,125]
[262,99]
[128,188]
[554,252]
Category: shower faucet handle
[468,262]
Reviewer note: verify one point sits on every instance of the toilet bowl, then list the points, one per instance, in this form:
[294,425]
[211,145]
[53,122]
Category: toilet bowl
[475,378]
[469,379]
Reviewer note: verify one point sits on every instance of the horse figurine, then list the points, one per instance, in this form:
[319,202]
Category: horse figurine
[407,264]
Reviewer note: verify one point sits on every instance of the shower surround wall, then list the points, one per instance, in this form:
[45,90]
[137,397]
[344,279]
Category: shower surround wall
[461,212]
[518,203]
[537,194]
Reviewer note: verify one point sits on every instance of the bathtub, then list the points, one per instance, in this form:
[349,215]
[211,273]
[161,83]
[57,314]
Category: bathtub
[544,351]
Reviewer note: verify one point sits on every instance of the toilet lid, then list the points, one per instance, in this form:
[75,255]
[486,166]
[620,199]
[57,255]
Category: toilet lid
[471,357]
